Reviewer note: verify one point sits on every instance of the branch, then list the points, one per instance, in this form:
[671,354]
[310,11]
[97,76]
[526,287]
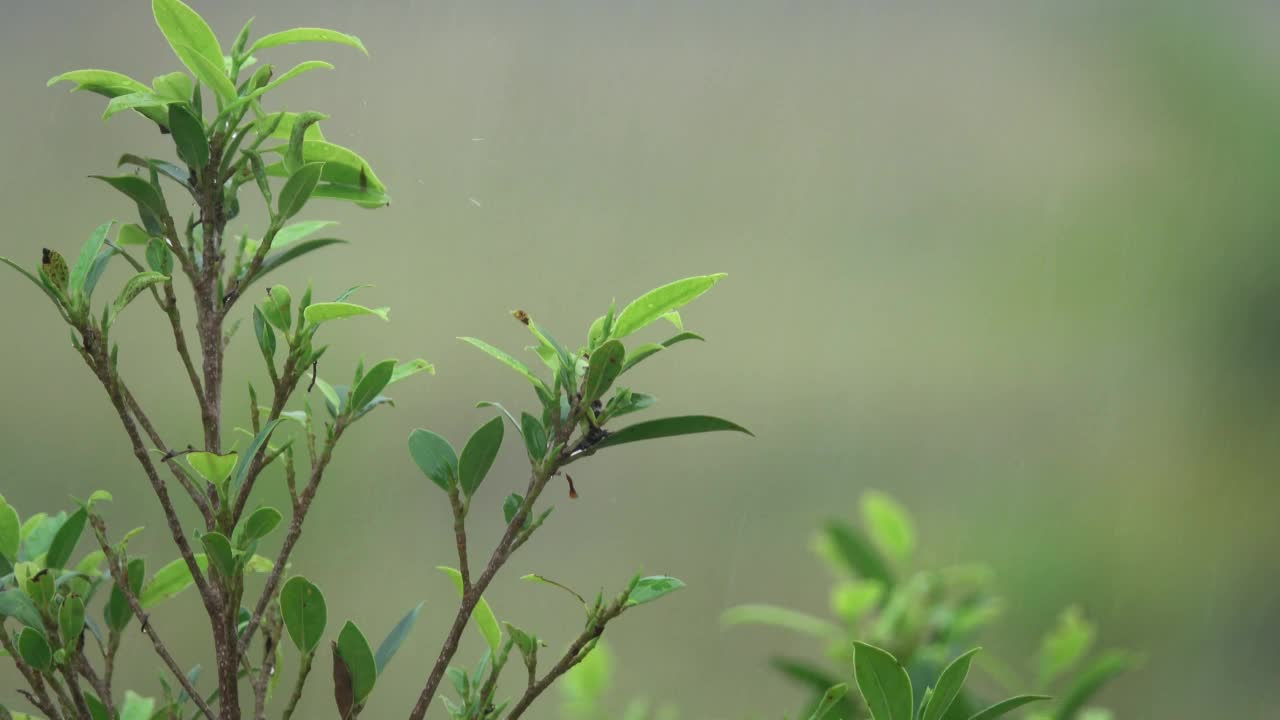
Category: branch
[574,655]
[460,536]
[178,473]
[295,529]
[304,668]
[121,578]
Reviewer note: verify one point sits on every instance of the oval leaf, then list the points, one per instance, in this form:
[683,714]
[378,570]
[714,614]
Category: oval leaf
[34,649]
[188,136]
[305,615]
[658,302]
[435,457]
[604,368]
[64,542]
[373,383]
[298,188]
[355,652]
[883,682]
[651,588]
[478,455]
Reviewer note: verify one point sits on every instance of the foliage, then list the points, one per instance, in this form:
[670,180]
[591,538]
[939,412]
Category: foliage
[64,613]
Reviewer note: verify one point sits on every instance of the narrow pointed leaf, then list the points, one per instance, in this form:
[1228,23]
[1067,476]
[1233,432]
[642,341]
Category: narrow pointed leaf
[509,361]
[1091,680]
[1004,707]
[88,256]
[478,455]
[64,542]
[391,644]
[670,427]
[605,367]
[486,622]
[297,189]
[134,287]
[658,302]
[948,686]
[318,313]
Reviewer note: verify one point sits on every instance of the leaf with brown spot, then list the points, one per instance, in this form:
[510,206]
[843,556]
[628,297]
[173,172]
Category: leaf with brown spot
[343,691]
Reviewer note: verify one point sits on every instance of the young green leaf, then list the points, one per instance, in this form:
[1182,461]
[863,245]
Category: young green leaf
[486,621]
[244,461]
[111,85]
[306,35]
[194,43]
[140,101]
[373,383]
[71,620]
[1065,644]
[435,457]
[318,313]
[793,620]
[889,525]
[509,361]
[478,455]
[511,506]
[355,652]
[658,302]
[188,136]
[303,608]
[290,253]
[390,645]
[34,649]
[137,707]
[344,168]
[290,74]
[858,554]
[948,687]
[265,335]
[88,256]
[298,188]
[411,368]
[669,427]
[175,86]
[638,354]
[134,287]
[212,467]
[651,588]
[883,682]
[1004,707]
[1092,679]
[605,366]
[9,524]
[830,699]
[159,257]
[64,542]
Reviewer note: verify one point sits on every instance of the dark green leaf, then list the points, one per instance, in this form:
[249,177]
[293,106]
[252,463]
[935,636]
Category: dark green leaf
[511,506]
[435,457]
[218,549]
[391,644]
[34,649]
[883,682]
[18,605]
[605,366]
[266,336]
[64,543]
[260,524]
[478,455]
[117,612]
[305,615]
[150,203]
[188,136]
[359,659]
[293,157]
[71,620]
[298,188]
[948,687]
[373,382]
[535,436]
[1092,679]
[669,427]
[859,555]
[1004,707]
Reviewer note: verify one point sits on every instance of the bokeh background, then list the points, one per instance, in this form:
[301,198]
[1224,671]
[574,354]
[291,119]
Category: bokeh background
[1014,263]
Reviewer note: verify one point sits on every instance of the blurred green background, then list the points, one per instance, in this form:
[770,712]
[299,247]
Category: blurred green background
[1014,263]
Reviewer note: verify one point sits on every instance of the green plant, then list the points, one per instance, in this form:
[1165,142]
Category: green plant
[924,618]
[225,141]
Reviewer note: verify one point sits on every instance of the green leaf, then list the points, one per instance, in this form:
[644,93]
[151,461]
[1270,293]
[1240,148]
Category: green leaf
[34,649]
[830,699]
[159,258]
[176,86]
[486,622]
[265,335]
[212,467]
[605,367]
[218,548]
[779,617]
[298,188]
[639,354]
[511,506]
[435,457]
[1092,679]
[109,84]
[297,231]
[71,620]
[411,368]
[64,542]
[140,101]
[245,460]
[1004,707]
[305,615]
[19,606]
[669,427]
[586,684]
[363,198]
[651,588]
[134,288]
[292,252]
[323,312]
[859,555]
[478,455]
[344,693]
[373,383]
[1065,644]
[344,168]
[356,653]
[34,280]
[117,613]
[194,43]
[188,136]
[88,256]
[509,361]
[535,436]
[306,35]
[175,577]
[150,203]
[281,125]
[948,687]
[260,524]
[535,578]
[137,707]
[9,524]
[654,304]
[883,682]
[889,525]
[391,643]
[290,74]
